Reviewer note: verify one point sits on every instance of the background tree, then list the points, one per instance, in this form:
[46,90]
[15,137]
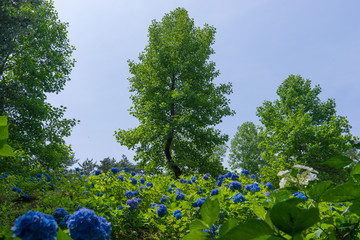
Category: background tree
[300,128]
[106,164]
[125,162]
[244,150]
[88,166]
[175,99]
[35,60]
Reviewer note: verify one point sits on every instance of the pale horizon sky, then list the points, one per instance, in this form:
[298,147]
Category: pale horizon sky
[258,45]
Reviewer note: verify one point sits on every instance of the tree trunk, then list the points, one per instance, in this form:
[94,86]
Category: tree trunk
[174,168]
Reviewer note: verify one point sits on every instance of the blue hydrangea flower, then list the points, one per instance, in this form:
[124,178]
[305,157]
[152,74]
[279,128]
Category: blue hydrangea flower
[64,222]
[161,210]
[5,175]
[121,178]
[245,172]
[126,169]
[200,190]
[300,195]
[255,187]
[248,187]
[180,196]
[115,170]
[81,173]
[193,179]
[214,192]
[77,169]
[234,176]
[142,187]
[59,214]
[97,172]
[39,175]
[235,185]
[267,193]
[85,224]
[133,173]
[199,202]
[120,208]
[78,208]
[15,189]
[173,185]
[48,178]
[35,226]
[269,185]
[252,176]
[129,194]
[136,193]
[164,199]
[206,177]
[142,180]
[228,175]
[149,184]
[182,180]
[133,203]
[133,181]
[169,189]
[238,198]
[139,200]
[189,182]
[153,205]
[219,183]
[177,214]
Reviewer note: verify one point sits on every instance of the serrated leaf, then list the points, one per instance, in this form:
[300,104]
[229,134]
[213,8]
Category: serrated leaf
[227,226]
[62,236]
[292,220]
[3,120]
[259,210]
[338,162]
[318,189]
[6,151]
[251,229]
[342,193]
[210,211]
[4,134]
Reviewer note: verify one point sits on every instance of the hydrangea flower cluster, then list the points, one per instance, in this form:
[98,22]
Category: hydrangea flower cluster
[238,198]
[235,185]
[180,196]
[199,202]
[129,194]
[177,214]
[97,172]
[149,184]
[126,169]
[300,195]
[133,204]
[142,180]
[115,170]
[306,174]
[35,226]
[164,199]
[18,190]
[85,224]
[161,210]
[245,172]
[59,214]
[214,192]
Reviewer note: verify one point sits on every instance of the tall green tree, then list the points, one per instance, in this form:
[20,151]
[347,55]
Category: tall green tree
[88,166]
[244,149]
[35,60]
[300,128]
[174,97]
[106,164]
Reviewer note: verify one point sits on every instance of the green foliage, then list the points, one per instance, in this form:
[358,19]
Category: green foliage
[88,166]
[5,149]
[175,99]
[244,150]
[35,60]
[300,128]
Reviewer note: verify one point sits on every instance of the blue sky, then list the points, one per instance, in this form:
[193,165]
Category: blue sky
[258,44]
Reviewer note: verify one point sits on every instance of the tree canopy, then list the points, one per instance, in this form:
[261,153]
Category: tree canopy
[244,150]
[300,128]
[35,60]
[174,98]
